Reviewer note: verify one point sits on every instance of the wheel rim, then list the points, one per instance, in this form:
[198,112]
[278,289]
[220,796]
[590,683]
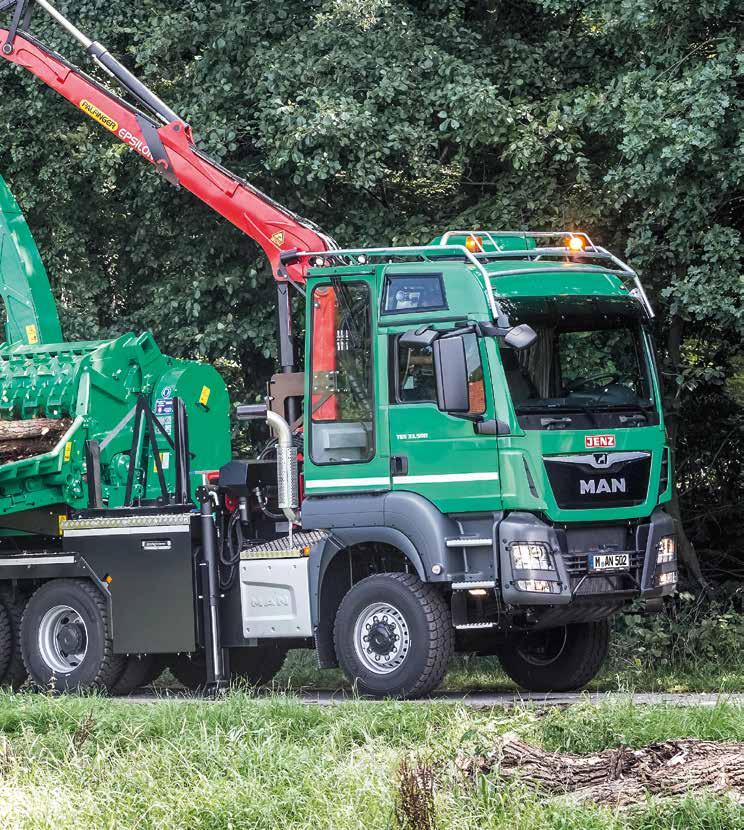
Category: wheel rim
[541,648]
[381,638]
[63,639]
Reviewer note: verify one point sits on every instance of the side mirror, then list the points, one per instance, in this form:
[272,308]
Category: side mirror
[451,372]
[420,338]
[521,337]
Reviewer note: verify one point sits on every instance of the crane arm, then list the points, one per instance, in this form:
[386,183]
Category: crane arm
[157,134]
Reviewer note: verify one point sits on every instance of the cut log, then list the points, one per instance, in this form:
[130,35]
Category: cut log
[26,439]
[619,776]
[32,428]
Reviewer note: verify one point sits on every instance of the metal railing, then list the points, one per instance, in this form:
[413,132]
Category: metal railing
[433,253]
[589,251]
[361,256]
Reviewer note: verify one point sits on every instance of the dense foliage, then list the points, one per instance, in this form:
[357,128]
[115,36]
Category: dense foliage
[387,120]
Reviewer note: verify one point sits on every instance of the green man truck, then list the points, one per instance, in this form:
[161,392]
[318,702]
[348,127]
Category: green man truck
[474,458]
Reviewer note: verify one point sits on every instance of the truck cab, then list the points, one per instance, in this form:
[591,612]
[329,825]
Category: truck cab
[484,415]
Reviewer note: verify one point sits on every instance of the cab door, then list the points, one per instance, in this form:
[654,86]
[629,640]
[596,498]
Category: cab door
[436,454]
[346,442]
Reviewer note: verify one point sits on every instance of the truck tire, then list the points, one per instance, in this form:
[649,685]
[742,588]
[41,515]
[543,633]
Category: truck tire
[393,636]
[557,659]
[15,674]
[139,670]
[6,641]
[259,665]
[66,638]
[256,666]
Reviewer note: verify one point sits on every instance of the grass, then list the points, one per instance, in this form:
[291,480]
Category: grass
[272,763]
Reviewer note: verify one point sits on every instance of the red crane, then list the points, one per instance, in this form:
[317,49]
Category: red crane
[160,136]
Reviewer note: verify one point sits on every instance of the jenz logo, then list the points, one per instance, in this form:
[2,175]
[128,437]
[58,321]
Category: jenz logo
[599,442]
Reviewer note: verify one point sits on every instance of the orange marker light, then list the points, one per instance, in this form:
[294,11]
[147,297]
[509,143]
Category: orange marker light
[575,243]
[474,244]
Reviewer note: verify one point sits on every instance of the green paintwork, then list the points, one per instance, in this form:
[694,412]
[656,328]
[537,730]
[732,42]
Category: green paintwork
[438,444]
[95,385]
[30,308]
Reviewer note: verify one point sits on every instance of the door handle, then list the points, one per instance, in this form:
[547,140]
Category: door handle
[399,465]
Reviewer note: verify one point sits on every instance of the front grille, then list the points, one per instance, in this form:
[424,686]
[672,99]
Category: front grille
[584,583]
[591,480]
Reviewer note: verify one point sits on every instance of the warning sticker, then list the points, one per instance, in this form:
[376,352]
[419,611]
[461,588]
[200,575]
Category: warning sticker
[32,335]
[164,413]
[204,397]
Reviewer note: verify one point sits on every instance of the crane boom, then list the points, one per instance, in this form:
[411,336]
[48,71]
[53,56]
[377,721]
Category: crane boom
[163,139]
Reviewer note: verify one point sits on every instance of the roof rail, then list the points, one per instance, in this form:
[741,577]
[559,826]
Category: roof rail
[588,250]
[491,235]
[361,256]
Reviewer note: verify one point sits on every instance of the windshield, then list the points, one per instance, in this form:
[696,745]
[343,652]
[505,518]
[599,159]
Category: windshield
[590,357]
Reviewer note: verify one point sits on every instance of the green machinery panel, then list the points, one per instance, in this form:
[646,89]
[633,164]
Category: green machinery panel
[90,391]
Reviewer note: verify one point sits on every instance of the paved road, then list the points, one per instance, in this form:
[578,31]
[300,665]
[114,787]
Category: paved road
[484,700]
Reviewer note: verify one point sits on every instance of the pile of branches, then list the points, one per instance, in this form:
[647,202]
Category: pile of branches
[620,777]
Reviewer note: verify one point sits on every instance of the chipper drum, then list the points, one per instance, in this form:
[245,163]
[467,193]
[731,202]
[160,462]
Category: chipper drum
[112,403]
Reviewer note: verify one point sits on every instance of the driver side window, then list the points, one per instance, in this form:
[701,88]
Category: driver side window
[415,381]
[342,377]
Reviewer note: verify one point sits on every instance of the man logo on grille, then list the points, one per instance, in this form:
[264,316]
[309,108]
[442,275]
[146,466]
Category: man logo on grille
[597,487]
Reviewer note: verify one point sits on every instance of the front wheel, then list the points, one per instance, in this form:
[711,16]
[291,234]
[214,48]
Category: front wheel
[556,659]
[393,636]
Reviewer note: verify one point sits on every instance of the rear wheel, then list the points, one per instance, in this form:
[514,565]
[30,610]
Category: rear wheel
[256,666]
[6,641]
[66,638]
[140,670]
[393,636]
[15,674]
[556,659]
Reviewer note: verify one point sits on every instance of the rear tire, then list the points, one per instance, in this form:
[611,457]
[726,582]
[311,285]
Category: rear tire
[256,666]
[393,636]
[556,659]
[140,670]
[66,638]
[6,641]
[15,674]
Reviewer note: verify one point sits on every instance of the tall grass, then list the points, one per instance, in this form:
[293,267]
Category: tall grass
[88,763]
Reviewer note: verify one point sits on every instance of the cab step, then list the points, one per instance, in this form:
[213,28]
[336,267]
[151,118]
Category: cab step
[469,542]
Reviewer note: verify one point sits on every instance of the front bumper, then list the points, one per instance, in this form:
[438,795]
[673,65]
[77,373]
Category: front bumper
[570,550]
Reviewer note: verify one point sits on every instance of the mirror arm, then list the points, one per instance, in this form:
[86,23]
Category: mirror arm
[491,330]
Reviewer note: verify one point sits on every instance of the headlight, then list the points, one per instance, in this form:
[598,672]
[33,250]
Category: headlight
[666,550]
[531,557]
[538,586]
[668,578]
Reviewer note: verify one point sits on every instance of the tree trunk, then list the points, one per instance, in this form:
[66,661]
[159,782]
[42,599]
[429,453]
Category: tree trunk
[687,553]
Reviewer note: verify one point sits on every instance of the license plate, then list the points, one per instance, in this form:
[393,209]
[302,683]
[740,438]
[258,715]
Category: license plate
[609,561]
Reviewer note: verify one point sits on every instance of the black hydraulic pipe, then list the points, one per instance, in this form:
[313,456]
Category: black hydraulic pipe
[93,474]
[131,83]
[181,451]
[213,640]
